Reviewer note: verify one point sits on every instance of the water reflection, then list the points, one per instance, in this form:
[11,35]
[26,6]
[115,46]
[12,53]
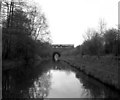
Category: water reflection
[53,80]
[96,89]
[59,84]
[41,86]
[66,85]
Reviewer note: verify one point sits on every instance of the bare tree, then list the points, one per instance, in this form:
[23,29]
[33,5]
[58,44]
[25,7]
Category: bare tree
[102,26]
[89,34]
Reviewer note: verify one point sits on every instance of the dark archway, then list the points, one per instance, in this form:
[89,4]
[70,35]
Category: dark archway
[55,53]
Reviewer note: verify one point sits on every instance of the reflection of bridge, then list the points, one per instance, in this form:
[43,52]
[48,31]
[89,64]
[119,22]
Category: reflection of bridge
[59,48]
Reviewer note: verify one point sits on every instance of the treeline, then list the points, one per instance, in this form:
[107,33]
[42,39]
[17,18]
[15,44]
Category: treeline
[100,43]
[24,32]
[107,43]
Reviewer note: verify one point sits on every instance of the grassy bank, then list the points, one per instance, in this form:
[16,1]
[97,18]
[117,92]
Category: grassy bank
[104,69]
[9,64]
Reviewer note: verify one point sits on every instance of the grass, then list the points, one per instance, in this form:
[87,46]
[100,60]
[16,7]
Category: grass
[104,68]
[10,64]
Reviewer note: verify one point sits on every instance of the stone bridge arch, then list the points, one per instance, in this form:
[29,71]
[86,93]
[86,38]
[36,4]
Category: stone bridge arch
[54,54]
[60,48]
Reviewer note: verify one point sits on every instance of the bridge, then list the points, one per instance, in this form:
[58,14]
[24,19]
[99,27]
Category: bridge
[68,46]
[59,48]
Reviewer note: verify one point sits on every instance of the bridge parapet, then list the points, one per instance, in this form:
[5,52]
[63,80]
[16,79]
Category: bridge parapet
[62,46]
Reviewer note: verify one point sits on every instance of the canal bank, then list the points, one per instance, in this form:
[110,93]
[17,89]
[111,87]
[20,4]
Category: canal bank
[11,64]
[104,69]
[55,80]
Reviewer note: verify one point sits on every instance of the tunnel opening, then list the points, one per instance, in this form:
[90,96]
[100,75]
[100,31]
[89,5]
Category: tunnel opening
[56,56]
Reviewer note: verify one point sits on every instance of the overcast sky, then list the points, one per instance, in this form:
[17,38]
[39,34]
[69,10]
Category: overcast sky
[69,19]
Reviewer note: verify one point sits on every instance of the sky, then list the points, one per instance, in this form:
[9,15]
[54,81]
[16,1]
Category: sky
[68,20]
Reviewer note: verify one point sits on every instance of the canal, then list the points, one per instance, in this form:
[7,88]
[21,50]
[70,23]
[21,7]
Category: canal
[52,80]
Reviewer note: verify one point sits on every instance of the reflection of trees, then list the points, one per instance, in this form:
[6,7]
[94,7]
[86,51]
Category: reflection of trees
[62,66]
[17,82]
[41,86]
[65,68]
[8,84]
[95,88]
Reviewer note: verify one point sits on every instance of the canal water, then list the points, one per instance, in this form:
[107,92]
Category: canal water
[52,80]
